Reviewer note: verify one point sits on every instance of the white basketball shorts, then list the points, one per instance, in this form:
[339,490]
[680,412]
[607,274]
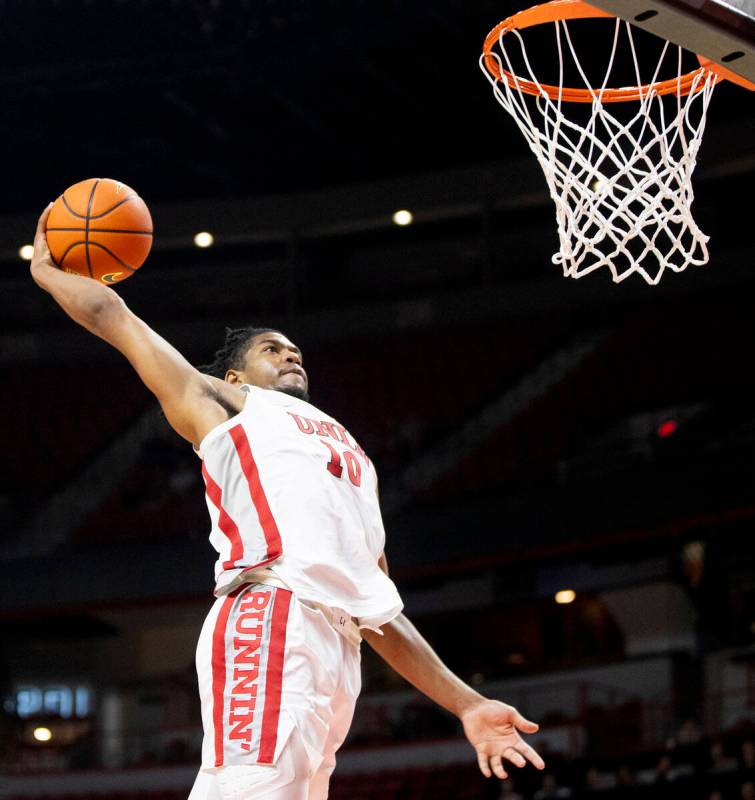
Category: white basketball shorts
[274,675]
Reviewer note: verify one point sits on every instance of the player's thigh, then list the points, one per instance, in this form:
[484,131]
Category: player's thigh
[205,786]
[287,779]
[343,703]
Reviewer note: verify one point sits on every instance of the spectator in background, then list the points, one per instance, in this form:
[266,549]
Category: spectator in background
[747,759]
[715,795]
[596,781]
[508,791]
[625,777]
[688,746]
[747,791]
[719,761]
[626,784]
[550,789]
[667,772]
[663,769]
[690,732]
[664,772]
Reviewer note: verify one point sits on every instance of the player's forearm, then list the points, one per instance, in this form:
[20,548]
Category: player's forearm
[86,301]
[409,653]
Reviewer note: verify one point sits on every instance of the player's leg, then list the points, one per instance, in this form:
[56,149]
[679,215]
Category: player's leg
[240,665]
[287,779]
[272,672]
[344,701]
[205,787]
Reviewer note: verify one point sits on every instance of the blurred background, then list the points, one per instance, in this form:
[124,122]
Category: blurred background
[566,467]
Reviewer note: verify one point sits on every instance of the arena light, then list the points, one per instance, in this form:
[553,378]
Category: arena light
[42,734]
[565,596]
[204,239]
[26,252]
[667,428]
[403,217]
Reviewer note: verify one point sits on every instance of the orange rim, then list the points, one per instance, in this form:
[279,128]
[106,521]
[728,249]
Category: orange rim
[558,10]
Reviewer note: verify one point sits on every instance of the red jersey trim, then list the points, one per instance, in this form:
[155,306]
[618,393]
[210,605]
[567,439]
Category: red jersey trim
[225,523]
[274,677]
[257,493]
[219,674]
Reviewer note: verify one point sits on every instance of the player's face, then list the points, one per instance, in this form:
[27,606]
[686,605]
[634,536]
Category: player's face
[274,362]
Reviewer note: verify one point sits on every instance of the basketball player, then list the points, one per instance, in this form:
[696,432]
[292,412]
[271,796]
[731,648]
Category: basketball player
[301,576]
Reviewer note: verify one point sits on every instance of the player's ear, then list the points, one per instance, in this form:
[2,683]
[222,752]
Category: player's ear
[233,376]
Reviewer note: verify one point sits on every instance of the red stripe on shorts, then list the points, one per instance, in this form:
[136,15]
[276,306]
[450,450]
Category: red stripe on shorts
[219,672]
[274,677]
[249,468]
[225,523]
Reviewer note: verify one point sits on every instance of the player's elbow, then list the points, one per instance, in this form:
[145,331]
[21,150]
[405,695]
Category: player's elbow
[105,313]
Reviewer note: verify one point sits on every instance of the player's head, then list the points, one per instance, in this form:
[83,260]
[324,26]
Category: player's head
[263,357]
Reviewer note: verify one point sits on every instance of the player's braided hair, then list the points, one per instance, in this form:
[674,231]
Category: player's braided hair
[231,354]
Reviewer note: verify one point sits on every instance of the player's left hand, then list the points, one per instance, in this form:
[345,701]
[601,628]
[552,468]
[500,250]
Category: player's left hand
[493,729]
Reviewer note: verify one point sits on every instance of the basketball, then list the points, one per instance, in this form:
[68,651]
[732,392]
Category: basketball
[100,228]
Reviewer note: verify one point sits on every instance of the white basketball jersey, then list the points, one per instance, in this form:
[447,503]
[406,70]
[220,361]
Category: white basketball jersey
[289,487]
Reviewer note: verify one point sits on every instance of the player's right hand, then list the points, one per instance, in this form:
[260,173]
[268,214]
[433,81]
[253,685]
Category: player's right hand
[41,261]
[493,729]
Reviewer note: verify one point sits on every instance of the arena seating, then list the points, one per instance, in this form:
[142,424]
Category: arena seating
[683,772]
[443,783]
[393,400]
[161,495]
[54,427]
[610,386]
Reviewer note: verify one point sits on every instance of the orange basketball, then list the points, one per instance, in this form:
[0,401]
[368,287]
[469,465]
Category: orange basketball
[100,228]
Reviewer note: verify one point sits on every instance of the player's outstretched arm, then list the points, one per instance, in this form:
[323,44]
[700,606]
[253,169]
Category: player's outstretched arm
[493,728]
[193,403]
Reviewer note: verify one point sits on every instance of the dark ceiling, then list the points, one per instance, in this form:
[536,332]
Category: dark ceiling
[209,98]
[214,98]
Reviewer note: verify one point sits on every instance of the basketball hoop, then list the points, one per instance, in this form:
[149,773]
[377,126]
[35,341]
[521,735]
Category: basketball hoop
[622,187]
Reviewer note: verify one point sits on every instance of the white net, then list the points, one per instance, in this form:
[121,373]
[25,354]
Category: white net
[622,187]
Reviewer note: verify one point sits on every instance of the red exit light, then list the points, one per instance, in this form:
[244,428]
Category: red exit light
[667,428]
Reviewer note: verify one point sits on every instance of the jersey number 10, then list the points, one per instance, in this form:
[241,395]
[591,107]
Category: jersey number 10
[352,465]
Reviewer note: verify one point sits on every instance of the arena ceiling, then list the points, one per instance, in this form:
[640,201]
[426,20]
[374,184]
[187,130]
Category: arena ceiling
[209,98]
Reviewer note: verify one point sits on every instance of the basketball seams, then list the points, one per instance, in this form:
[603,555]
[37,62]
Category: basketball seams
[112,208]
[101,213]
[102,230]
[70,210]
[86,231]
[68,250]
[102,247]
[113,256]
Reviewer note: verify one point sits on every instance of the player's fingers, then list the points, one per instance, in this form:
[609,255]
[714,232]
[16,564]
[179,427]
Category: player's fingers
[42,221]
[40,240]
[515,757]
[497,765]
[482,762]
[531,755]
[525,725]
